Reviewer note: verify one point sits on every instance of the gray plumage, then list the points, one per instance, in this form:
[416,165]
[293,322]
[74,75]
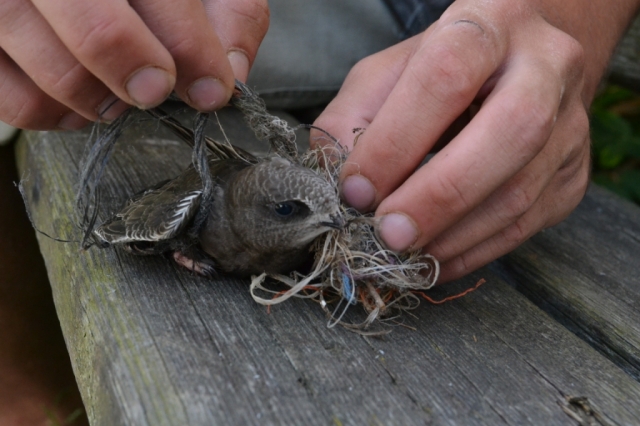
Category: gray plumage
[229,211]
[263,217]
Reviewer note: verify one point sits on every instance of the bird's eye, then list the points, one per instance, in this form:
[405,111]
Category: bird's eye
[285,209]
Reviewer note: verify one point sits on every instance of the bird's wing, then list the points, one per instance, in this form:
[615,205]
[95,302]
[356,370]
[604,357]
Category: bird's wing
[156,214]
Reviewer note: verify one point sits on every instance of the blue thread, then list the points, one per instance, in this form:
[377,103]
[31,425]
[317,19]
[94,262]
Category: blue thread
[348,292]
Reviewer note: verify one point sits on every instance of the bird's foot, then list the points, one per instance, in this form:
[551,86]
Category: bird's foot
[203,267]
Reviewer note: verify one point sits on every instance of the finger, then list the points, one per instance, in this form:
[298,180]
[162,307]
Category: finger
[240,25]
[439,82]
[115,45]
[24,105]
[204,76]
[548,211]
[510,129]
[27,38]
[363,93]
[569,141]
[512,126]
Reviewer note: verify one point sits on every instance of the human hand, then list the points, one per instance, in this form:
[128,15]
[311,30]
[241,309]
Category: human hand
[64,63]
[521,164]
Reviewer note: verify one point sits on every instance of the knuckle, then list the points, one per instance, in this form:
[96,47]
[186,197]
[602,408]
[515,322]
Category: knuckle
[572,181]
[567,54]
[31,114]
[438,248]
[583,179]
[448,77]
[75,87]
[97,35]
[530,121]
[362,68]
[255,14]
[540,115]
[516,234]
[460,266]
[520,198]
[575,176]
[457,57]
[578,143]
[580,124]
[403,145]
[184,47]
[475,27]
[447,196]
[571,50]
[70,83]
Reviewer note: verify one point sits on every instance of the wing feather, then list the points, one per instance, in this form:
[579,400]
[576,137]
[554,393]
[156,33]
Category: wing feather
[156,215]
[166,210]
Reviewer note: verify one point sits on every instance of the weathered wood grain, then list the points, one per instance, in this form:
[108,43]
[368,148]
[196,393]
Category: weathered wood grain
[585,272]
[625,64]
[153,345]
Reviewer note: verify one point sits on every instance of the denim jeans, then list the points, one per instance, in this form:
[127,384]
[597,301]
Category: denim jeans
[312,44]
[414,16]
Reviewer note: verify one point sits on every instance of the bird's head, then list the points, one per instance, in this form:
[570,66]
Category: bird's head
[278,206]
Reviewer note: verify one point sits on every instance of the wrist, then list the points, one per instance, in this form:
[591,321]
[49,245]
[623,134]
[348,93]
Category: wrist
[597,25]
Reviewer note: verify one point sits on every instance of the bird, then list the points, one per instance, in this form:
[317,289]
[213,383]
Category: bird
[263,216]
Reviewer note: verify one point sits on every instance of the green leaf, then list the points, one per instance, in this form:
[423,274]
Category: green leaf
[610,157]
[632,147]
[606,182]
[75,415]
[607,127]
[630,182]
[611,96]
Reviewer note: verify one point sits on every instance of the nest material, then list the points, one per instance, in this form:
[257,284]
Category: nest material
[351,267]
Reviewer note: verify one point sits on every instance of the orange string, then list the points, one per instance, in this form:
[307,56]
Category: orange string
[363,299]
[455,296]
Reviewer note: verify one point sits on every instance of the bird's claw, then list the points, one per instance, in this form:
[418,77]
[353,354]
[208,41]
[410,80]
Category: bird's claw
[203,267]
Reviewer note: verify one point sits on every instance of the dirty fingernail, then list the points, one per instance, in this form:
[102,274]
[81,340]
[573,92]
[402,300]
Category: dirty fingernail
[111,108]
[397,231]
[207,94]
[72,121]
[239,64]
[149,86]
[358,192]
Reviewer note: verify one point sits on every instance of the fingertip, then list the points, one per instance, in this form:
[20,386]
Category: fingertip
[358,192]
[111,108]
[452,270]
[397,231]
[149,86]
[207,94]
[239,64]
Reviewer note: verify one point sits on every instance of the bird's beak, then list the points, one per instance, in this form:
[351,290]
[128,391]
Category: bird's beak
[337,222]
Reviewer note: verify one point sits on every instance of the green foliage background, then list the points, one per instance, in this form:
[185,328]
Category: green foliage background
[615,141]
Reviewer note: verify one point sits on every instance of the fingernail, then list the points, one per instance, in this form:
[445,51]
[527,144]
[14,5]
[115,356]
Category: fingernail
[358,192]
[207,93]
[111,108]
[149,86]
[397,231]
[239,64]
[72,121]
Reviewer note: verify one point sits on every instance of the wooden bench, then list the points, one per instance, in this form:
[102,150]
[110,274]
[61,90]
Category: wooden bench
[551,338]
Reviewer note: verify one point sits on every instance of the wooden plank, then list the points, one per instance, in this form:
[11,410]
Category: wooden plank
[625,64]
[585,272]
[153,345]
